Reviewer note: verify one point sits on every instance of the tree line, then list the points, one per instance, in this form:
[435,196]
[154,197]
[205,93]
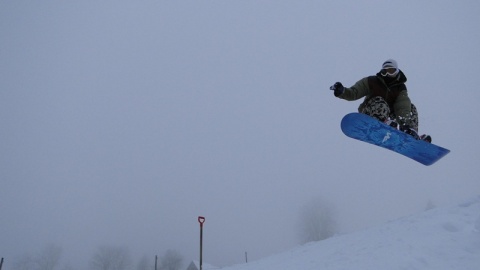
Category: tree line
[105,258]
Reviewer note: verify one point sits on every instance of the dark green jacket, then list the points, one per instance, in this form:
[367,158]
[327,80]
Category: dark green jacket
[393,90]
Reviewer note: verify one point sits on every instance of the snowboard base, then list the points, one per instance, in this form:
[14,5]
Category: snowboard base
[368,129]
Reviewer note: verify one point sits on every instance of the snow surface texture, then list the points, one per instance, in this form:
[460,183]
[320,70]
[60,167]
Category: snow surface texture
[441,238]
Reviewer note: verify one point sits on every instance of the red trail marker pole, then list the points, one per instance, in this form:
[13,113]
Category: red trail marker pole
[201,220]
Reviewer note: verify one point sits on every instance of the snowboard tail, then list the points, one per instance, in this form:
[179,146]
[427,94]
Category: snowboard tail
[368,129]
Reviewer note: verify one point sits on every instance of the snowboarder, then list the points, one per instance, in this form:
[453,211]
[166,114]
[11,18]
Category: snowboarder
[386,99]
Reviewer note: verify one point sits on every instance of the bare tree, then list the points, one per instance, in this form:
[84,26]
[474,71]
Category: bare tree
[171,260]
[68,266]
[25,262]
[144,263]
[49,257]
[317,221]
[430,205]
[111,258]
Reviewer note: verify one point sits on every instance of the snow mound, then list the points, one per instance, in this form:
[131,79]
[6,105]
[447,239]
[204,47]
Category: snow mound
[440,238]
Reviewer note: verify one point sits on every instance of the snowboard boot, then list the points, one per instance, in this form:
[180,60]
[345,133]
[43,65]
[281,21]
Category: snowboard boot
[426,138]
[392,123]
[410,131]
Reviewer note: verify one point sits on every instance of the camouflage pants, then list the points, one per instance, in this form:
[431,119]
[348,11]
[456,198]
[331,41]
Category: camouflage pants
[378,108]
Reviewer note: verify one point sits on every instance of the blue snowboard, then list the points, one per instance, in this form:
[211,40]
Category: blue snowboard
[365,128]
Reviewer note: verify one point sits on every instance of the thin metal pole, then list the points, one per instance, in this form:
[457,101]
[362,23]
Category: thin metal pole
[201,220]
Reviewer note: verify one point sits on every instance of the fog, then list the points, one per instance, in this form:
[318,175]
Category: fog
[123,121]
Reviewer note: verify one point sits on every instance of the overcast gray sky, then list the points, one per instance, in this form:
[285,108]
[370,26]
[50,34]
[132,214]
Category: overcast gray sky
[122,121]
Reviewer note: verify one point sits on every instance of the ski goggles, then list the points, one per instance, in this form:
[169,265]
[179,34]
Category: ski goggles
[391,72]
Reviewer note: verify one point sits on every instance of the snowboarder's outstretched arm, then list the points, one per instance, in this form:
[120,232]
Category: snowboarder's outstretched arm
[358,90]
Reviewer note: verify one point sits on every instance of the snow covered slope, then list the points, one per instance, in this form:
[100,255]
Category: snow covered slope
[441,238]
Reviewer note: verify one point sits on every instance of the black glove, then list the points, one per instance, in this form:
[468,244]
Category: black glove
[410,131]
[337,89]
